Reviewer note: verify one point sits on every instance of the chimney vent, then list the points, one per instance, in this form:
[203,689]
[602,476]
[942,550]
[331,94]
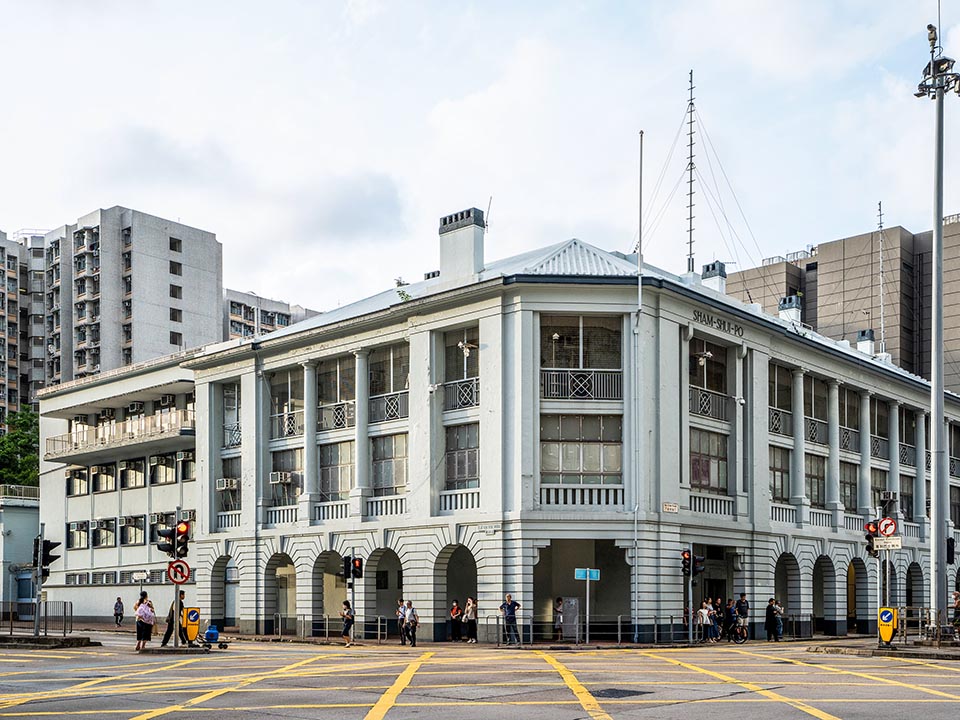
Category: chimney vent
[789,308]
[865,342]
[430,275]
[461,245]
[715,276]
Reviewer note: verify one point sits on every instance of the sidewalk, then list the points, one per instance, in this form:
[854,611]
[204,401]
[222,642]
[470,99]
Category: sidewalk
[868,647]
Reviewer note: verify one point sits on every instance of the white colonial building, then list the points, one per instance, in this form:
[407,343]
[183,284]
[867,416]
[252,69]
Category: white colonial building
[489,430]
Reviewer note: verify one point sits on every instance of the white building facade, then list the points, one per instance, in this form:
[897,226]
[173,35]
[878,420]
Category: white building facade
[489,430]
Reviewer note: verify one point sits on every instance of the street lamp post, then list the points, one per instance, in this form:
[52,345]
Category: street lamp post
[938,79]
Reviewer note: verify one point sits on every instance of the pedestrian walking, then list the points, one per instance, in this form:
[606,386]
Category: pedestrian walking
[174,616]
[778,606]
[118,612]
[456,624]
[146,618]
[704,623]
[470,619]
[558,619]
[401,613]
[770,621]
[730,619]
[743,612]
[410,622]
[508,609]
[347,614]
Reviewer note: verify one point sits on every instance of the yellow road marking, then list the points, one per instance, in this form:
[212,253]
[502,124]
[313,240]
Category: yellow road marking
[587,700]
[866,676]
[798,704]
[389,698]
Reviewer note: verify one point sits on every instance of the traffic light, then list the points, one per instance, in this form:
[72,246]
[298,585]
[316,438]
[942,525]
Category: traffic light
[347,568]
[950,547]
[183,539]
[43,557]
[698,566]
[686,562]
[357,567]
[167,541]
[871,529]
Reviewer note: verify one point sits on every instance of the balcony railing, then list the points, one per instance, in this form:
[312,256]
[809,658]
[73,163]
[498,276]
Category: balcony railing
[140,427]
[389,505]
[708,403]
[20,492]
[282,515]
[337,510]
[780,422]
[852,522]
[228,520]
[336,416]
[821,518]
[908,455]
[454,500]
[287,424]
[711,505]
[927,462]
[580,496]
[461,394]
[954,467]
[815,430]
[232,437]
[581,384]
[393,406]
[879,447]
[783,513]
[910,530]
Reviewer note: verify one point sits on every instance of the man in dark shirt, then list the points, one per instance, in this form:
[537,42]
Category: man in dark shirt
[509,611]
[743,611]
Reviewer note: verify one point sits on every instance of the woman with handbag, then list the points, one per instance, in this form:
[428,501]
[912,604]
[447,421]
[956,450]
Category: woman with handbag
[470,619]
[146,619]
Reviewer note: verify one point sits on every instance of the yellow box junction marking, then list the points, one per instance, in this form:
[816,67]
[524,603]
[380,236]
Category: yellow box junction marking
[587,701]
[389,698]
[799,705]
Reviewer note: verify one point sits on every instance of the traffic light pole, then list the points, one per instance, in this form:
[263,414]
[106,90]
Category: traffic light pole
[176,592]
[38,574]
[353,594]
[690,592]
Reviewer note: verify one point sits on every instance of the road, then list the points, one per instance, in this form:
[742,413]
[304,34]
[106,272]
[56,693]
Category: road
[440,682]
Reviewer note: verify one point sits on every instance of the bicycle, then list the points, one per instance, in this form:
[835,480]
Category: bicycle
[740,633]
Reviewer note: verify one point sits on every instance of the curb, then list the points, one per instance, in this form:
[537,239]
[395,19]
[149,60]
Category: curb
[878,652]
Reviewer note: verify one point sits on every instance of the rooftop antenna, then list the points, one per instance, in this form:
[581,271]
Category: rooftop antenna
[486,218]
[690,169]
[883,333]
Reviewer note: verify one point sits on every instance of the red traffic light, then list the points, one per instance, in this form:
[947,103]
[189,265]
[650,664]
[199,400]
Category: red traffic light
[870,527]
[685,554]
[183,528]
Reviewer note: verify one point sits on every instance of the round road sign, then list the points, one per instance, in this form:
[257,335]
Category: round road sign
[178,572]
[887,526]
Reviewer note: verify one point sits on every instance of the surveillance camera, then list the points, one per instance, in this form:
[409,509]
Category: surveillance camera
[741,401]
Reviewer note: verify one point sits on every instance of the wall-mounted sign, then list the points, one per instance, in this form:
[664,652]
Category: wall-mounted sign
[718,323]
[669,507]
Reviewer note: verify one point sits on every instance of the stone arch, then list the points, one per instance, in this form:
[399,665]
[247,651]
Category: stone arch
[454,578]
[787,582]
[914,588]
[827,604]
[858,600]
[223,595]
[279,593]
[329,585]
[381,593]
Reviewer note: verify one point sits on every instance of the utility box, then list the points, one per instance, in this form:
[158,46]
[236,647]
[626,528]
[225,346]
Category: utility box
[571,618]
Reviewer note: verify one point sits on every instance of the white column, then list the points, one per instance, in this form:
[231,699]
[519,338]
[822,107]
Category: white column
[893,433]
[920,483]
[798,486]
[361,474]
[864,501]
[834,503]
[311,473]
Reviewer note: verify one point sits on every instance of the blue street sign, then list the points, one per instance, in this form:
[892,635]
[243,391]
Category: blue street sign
[193,615]
[586,574]
[886,616]
[580,574]
[593,574]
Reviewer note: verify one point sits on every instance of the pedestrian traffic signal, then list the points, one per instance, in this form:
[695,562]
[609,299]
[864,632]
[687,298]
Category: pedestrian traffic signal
[686,562]
[347,567]
[698,566]
[43,556]
[951,543]
[356,568]
[167,539]
[871,529]
[183,539]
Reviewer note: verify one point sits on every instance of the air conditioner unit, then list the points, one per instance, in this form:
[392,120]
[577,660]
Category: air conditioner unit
[279,478]
[81,419]
[135,408]
[123,465]
[123,522]
[185,455]
[107,414]
[223,484]
[154,460]
[103,524]
[74,526]
[83,525]
[188,515]
[157,519]
[166,400]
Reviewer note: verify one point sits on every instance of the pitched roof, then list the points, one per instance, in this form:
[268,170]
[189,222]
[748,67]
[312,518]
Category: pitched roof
[575,257]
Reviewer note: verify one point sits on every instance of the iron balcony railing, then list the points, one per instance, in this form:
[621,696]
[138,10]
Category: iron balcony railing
[393,406]
[879,447]
[708,403]
[232,437]
[336,416]
[461,394]
[816,430]
[849,439]
[286,424]
[780,421]
[908,455]
[581,384]
[20,492]
[139,427]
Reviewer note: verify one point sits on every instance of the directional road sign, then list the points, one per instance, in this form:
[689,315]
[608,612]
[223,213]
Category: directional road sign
[887,526]
[586,574]
[178,572]
[888,543]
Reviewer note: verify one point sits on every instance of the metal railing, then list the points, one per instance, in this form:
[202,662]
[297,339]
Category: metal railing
[879,447]
[780,421]
[20,492]
[140,427]
[596,496]
[708,403]
[849,439]
[581,384]
[336,416]
[56,617]
[461,394]
[330,626]
[954,467]
[908,455]
[232,436]
[815,430]
[287,424]
[393,406]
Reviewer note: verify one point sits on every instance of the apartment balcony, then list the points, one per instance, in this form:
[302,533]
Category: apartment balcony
[908,455]
[879,447]
[581,384]
[19,492]
[815,430]
[232,435]
[581,497]
[392,406]
[228,520]
[707,403]
[849,439]
[286,425]
[332,510]
[461,394]
[337,416]
[151,434]
[780,422]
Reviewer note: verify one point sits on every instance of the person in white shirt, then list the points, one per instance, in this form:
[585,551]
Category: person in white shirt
[410,622]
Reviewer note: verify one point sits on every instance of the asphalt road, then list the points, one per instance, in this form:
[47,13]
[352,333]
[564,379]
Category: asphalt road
[440,682]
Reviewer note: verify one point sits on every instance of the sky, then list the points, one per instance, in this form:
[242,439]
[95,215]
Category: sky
[322,141]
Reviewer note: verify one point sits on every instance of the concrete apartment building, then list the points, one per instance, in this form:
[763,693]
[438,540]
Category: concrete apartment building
[246,314]
[19,518]
[836,288]
[488,430]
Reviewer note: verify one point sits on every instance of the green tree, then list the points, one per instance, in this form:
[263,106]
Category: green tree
[20,449]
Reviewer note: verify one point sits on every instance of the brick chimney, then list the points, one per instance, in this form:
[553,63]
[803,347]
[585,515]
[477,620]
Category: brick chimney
[461,245]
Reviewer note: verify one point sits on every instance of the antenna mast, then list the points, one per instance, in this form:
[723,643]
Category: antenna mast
[883,333]
[690,169]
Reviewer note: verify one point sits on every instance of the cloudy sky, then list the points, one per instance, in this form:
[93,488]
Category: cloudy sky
[322,141]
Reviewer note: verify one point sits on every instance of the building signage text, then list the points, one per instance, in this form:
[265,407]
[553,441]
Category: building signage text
[718,323]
